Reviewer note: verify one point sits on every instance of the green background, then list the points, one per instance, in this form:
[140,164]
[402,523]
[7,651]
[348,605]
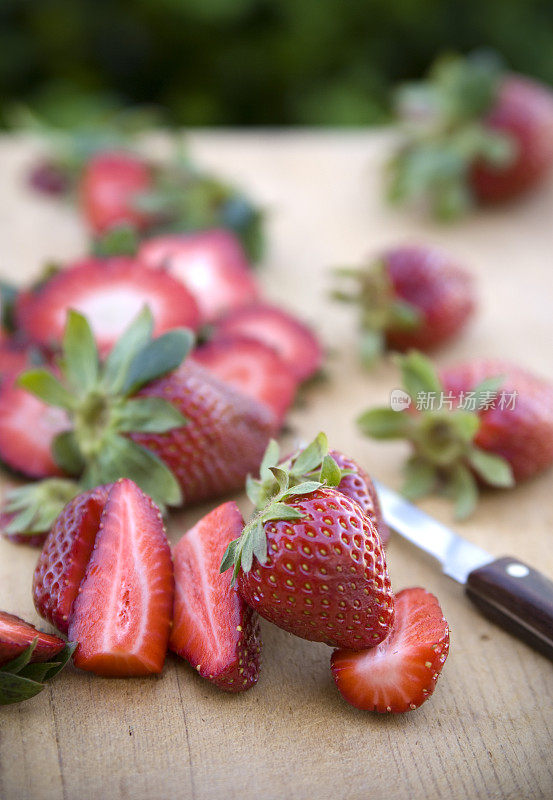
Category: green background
[247,62]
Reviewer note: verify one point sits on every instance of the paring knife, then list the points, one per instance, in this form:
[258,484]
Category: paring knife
[507,591]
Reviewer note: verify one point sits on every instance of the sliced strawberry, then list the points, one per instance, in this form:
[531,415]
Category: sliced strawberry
[122,614]
[294,342]
[64,558]
[211,264]
[401,672]
[110,293]
[109,187]
[213,628]
[16,635]
[27,429]
[253,368]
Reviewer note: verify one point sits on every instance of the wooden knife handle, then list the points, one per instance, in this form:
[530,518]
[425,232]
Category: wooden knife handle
[516,597]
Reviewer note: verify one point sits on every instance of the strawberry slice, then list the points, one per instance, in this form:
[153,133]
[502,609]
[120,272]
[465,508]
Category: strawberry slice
[16,635]
[213,628]
[27,429]
[252,368]
[64,558]
[211,264]
[294,342]
[401,672]
[110,293]
[121,616]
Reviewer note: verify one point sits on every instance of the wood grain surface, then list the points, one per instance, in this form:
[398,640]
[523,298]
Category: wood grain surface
[487,732]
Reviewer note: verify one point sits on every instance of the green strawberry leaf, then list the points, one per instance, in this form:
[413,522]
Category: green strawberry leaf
[282,478]
[148,415]
[384,423]
[21,680]
[229,556]
[462,488]
[20,662]
[418,373]
[486,390]
[248,542]
[15,689]
[66,453]
[80,364]
[372,343]
[420,478]
[330,473]
[47,388]
[157,358]
[405,316]
[465,424]
[311,457]
[37,505]
[280,511]
[121,240]
[495,470]
[270,459]
[255,491]
[132,342]
[302,488]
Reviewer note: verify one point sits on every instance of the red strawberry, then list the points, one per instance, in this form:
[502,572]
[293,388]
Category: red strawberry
[312,563]
[223,441]
[122,614]
[14,357]
[110,185]
[16,635]
[409,297]
[401,672]
[523,111]
[213,628]
[252,368]
[291,339]
[211,264]
[27,429]
[64,558]
[358,486]
[475,134]
[109,293]
[518,428]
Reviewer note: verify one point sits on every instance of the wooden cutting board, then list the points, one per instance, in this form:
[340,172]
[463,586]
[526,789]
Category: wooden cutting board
[487,732]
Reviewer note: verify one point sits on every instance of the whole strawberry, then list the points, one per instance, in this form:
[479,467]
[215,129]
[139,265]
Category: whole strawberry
[409,297]
[174,429]
[473,133]
[312,563]
[486,421]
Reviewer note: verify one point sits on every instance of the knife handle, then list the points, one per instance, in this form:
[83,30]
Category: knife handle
[516,597]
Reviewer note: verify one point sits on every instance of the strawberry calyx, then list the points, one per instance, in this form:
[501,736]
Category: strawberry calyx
[21,678]
[100,402]
[381,308]
[32,508]
[444,134]
[445,458]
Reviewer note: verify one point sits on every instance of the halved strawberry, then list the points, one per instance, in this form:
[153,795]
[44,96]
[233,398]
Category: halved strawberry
[251,367]
[110,293]
[16,635]
[64,558]
[27,428]
[213,628]
[294,342]
[122,614]
[401,672]
[211,264]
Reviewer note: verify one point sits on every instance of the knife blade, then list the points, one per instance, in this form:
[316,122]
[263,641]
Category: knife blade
[506,590]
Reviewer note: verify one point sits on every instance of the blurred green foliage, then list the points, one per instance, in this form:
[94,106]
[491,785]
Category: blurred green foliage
[247,62]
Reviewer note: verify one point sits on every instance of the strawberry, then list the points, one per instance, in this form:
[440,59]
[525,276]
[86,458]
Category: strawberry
[211,264]
[401,672]
[485,420]
[181,434]
[213,628]
[14,357]
[121,617]
[311,562]
[474,133]
[110,293]
[253,368]
[409,297]
[291,339]
[109,187]
[28,427]
[65,556]
[16,635]
[313,462]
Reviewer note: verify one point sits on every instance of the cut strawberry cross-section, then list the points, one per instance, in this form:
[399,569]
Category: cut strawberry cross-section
[16,635]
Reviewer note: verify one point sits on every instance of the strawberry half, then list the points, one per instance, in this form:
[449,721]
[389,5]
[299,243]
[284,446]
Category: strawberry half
[253,368]
[401,672]
[211,264]
[16,635]
[290,338]
[122,615]
[27,429]
[213,628]
[62,563]
[110,185]
[110,293]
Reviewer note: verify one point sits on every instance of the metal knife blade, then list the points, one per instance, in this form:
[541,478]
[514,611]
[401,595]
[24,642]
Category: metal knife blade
[457,556]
